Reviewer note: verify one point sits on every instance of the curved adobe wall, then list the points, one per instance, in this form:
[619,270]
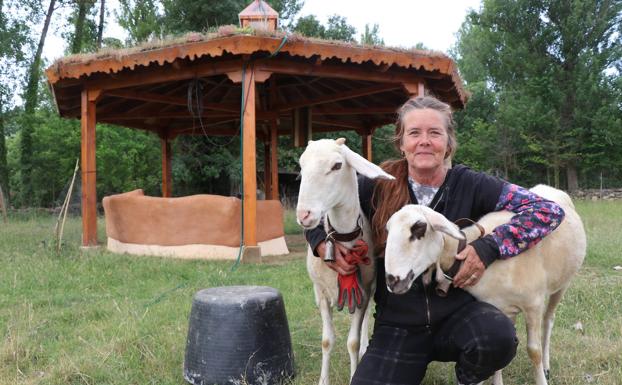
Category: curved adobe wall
[197,226]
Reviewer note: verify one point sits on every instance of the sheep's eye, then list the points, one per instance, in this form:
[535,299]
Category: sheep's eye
[336,166]
[417,231]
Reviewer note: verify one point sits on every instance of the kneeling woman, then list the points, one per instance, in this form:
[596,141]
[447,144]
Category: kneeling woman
[418,327]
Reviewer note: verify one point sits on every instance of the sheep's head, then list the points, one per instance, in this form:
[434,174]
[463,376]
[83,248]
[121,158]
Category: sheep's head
[328,178]
[414,243]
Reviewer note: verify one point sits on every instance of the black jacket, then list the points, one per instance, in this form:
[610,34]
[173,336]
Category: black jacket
[464,194]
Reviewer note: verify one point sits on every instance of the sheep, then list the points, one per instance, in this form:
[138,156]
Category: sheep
[519,284]
[329,190]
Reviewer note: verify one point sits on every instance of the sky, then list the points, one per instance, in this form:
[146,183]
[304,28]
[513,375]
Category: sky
[402,23]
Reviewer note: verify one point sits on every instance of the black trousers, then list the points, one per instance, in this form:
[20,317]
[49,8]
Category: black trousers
[478,337]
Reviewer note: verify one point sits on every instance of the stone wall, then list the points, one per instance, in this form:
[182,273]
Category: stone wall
[597,194]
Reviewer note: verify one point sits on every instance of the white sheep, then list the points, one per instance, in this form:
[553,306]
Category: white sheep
[514,285]
[329,190]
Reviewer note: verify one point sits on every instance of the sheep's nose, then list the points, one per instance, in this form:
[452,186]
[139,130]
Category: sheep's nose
[391,281]
[302,215]
[399,286]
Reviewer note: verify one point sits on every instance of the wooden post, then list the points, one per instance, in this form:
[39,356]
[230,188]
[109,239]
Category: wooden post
[266,169]
[274,162]
[89,177]
[248,158]
[366,145]
[167,186]
[274,140]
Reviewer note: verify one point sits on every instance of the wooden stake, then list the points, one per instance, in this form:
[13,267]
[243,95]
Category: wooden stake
[3,205]
[65,208]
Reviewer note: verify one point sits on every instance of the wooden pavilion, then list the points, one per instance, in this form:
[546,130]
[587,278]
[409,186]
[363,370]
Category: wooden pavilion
[290,85]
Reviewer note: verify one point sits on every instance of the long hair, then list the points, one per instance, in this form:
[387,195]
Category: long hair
[391,195]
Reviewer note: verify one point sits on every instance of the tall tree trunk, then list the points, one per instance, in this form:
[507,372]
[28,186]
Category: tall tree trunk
[572,179]
[33,75]
[32,89]
[4,168]
[78,38]
[100,30]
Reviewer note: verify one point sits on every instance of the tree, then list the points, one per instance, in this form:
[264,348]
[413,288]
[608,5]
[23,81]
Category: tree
[84,35]
[310,26]
[100,26]
[182,16]
[14,40]
[140,19]
[339,29]
[371,36]
[540,57]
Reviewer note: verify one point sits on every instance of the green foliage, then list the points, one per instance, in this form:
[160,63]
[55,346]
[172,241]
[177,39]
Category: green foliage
[339,29]
[371,36]
[180,16]
[547,63]
[310,26]
[83,36]
[140,19]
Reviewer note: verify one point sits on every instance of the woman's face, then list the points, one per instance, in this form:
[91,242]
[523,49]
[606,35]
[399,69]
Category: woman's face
[425,140]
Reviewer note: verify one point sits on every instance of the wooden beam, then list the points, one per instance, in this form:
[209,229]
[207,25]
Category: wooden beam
[292,67]
[89,177]
[261,115]
[274,164]
[157,98]
[248,159]
[366,146]
[335,123]
[273,100]
[302,126]
[266,169]
[350,94]
[164,74]
[354,111]
[167,177]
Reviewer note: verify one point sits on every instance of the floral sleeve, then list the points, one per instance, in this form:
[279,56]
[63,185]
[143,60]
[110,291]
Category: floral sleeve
[535,218]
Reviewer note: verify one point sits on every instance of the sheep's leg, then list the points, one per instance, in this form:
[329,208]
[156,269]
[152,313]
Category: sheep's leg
[328,337]
[354,336]
[549,319]
[365,331]
[533,319]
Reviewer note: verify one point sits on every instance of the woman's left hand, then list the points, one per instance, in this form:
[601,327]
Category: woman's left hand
[471,269]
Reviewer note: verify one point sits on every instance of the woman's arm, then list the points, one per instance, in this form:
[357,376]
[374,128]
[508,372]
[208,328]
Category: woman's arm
[535,218]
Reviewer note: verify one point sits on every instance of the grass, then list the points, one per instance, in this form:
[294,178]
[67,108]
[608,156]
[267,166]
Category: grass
[99,318]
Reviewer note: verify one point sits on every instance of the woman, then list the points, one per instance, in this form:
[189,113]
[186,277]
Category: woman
[418,327]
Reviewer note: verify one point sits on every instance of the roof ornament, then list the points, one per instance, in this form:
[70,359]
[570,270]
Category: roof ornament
[259,15]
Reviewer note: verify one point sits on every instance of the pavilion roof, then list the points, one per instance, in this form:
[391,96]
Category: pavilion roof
[308,69]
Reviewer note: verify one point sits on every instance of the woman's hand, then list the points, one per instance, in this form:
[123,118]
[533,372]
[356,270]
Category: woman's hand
[471,269]
[340,265]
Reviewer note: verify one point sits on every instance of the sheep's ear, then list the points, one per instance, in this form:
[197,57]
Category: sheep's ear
[340,141]
[442,224]
[362,165]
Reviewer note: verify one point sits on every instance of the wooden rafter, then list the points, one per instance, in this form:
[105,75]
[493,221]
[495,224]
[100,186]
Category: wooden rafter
[341,96]
[156,98]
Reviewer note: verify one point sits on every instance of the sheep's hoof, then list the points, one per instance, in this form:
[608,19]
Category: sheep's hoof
[547,374]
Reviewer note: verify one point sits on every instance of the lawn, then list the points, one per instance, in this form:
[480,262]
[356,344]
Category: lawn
[92,317]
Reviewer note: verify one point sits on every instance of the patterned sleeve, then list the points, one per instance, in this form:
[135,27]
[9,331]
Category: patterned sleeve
[535,218]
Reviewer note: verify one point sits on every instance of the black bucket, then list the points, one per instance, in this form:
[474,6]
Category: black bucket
[238,335]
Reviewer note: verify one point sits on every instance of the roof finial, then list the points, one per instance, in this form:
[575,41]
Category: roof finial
[259,15]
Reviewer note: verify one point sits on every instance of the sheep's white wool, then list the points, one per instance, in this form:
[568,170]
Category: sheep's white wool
[329,188]
[520,284]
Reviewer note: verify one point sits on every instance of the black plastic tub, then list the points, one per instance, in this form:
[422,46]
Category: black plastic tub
[238,335]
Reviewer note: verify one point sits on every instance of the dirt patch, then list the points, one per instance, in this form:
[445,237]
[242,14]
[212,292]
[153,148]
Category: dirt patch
[297,246]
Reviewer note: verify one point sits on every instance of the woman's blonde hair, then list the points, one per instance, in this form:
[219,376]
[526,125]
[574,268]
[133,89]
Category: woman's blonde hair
[391,195]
